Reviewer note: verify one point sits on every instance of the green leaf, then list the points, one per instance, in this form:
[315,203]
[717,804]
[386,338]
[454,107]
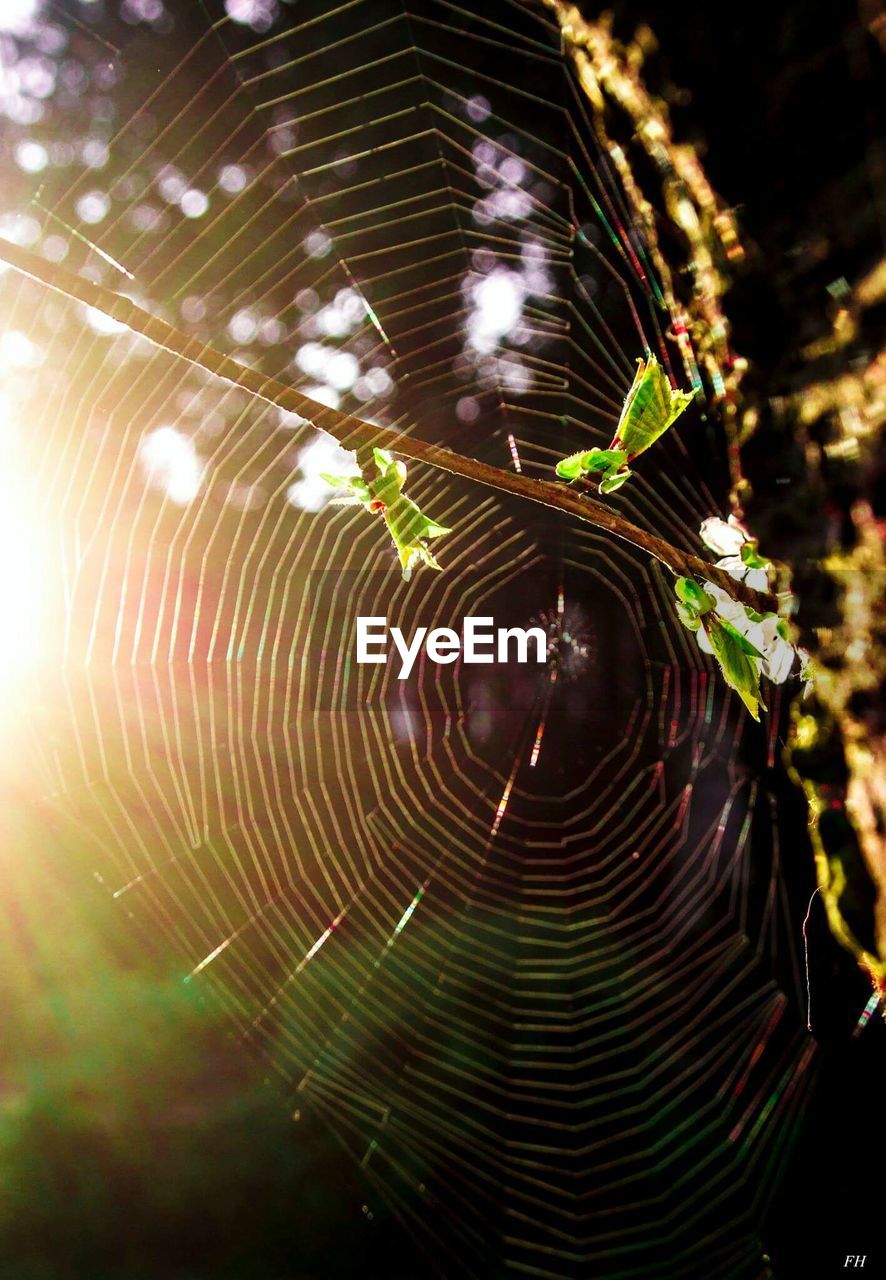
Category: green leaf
[574,466]
[589,460]
[742,640]
[650,407]
[605,459]
[353,484]
[691,594]
[691,621]
[614,481]
[408,526]
[739,667]
[751,557]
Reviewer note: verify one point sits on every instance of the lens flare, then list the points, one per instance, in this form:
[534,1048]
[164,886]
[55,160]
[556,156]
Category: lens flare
[22,560]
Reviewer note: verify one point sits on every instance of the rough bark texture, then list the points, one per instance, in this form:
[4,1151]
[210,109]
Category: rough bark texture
[804,419]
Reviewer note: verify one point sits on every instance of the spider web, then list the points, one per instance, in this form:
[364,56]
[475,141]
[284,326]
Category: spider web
[522,940]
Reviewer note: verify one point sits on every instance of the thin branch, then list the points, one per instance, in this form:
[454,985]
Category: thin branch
[352,433]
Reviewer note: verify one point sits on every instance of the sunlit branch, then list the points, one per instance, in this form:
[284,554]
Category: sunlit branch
[354,434]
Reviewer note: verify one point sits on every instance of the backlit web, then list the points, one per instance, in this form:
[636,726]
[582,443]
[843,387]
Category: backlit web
[521,938]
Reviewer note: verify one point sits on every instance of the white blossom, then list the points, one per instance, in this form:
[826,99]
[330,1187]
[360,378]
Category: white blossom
[730,610]
[736,568]
[724,537]
[778,653]
[704,643]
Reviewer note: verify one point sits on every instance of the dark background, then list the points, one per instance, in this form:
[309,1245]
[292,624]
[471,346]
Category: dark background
[785,102]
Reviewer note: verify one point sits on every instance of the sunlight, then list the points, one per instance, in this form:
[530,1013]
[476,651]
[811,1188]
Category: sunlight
[17,16]
[22,560]
[171,462]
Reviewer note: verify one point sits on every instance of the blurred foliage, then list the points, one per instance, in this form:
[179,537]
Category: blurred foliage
[792,284]
[137,1139]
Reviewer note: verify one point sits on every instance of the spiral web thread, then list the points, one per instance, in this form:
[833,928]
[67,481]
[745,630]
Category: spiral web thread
[502,930]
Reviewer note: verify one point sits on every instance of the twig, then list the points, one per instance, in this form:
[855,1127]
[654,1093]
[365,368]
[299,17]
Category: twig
[352,433]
